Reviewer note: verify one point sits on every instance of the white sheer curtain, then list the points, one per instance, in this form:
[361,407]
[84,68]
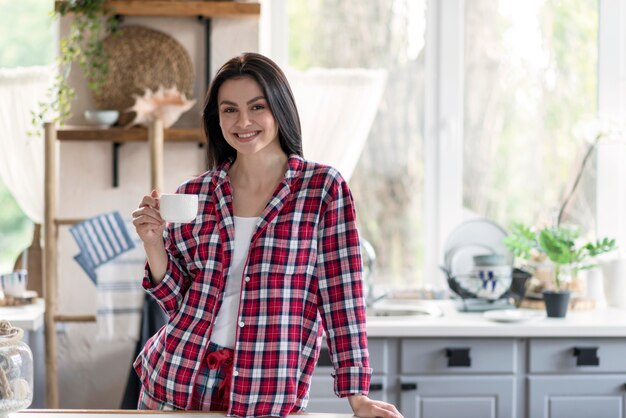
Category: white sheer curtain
[337,108]
[21,156]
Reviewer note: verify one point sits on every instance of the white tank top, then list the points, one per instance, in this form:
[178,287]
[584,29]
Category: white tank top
[225,324]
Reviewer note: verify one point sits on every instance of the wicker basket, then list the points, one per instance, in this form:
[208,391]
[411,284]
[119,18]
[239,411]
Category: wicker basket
[141,58]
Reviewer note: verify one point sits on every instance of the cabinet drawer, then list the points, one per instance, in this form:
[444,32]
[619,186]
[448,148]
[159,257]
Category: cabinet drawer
[577,355]
[377,348]
[459,355]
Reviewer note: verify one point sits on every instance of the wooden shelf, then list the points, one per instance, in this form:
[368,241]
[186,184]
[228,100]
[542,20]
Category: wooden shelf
[182,8]
[115,134]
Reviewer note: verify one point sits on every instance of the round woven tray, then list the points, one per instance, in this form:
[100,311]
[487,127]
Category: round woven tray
[141,58]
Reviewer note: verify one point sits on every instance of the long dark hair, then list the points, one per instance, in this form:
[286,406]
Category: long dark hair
[277,93]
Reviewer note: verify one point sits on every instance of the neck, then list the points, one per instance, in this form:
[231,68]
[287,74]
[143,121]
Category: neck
[259,169]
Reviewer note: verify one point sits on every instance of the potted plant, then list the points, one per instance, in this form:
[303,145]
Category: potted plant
[83,44]
[563,248]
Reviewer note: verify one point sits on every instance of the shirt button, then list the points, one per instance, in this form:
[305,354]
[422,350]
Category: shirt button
[247,279]
[235,373]
[241,324]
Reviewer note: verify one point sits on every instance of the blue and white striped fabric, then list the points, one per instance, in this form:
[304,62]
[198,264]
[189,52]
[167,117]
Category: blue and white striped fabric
[111,256]
[120,296]
[100,239]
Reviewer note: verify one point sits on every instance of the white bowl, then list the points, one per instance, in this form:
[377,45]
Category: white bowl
[102,117]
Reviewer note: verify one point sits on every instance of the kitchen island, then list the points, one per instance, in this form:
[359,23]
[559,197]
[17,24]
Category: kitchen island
[460,364]
[607,322]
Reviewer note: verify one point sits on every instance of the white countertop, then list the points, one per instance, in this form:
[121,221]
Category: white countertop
[27,317]
[593,323]
[73,413]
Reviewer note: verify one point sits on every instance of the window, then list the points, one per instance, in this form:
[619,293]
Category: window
[530,77]
[27,37]
[387,182]
[478,115]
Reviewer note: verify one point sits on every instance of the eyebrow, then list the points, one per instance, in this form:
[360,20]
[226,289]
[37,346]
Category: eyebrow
[228,102]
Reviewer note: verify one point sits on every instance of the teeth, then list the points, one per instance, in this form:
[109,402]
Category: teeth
[251,134]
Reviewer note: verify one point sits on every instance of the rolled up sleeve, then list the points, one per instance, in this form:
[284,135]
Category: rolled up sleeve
[340,294]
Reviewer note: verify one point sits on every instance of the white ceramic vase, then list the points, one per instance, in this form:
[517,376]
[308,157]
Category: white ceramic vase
[614,272]
[595,286]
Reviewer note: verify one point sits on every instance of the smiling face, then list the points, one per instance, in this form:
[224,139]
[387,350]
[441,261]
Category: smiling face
[245,117]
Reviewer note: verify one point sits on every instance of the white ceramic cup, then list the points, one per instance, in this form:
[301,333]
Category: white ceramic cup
[14,284]
[178,208]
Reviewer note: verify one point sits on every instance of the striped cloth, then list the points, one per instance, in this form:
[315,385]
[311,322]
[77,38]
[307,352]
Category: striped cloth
[120,296]
[100,239]
[112,259]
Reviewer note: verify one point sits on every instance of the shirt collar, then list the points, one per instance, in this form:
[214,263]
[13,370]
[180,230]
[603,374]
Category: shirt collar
[295,165]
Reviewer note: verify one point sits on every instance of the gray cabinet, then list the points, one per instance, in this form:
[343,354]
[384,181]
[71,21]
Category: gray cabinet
[322,396]
[490,377]
[458,396]
[576,396]
[459,377]
[577,378]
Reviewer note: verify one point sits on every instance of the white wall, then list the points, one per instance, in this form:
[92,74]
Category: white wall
[92,374]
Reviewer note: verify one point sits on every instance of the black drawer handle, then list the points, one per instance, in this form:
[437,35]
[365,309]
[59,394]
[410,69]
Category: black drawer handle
[586,356]
[376,387]
[408,386]
[458,357]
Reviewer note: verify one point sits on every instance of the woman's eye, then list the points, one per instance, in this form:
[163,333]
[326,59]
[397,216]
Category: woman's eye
[258,107]
[229,110]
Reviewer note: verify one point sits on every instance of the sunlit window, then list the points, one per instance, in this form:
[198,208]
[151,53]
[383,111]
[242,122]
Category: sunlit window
[27,38]
[387,182]
[530,78]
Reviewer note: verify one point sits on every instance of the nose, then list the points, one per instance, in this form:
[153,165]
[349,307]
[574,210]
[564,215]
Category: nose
[244,119]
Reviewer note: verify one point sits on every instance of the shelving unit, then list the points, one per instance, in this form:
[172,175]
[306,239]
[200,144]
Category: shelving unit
[182,8]
[155,135]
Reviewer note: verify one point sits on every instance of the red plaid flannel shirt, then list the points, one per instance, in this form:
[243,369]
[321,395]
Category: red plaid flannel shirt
[303,268]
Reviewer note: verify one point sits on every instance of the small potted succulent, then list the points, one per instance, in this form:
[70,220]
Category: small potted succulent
[562,247]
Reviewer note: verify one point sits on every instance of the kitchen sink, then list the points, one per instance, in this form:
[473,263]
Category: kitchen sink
[399,309]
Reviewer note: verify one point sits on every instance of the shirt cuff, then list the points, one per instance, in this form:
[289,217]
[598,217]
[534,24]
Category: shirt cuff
[352,381]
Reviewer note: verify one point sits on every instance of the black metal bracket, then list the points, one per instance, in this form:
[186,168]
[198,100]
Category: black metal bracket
[116,167]
[458,357]
[586,356]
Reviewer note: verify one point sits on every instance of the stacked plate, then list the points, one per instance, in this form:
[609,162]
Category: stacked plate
[483,240]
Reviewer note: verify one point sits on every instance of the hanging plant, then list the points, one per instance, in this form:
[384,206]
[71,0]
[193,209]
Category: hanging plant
[91,23]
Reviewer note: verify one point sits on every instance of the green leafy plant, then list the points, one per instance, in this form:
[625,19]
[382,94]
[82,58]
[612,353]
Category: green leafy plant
[90,24]
[561,245]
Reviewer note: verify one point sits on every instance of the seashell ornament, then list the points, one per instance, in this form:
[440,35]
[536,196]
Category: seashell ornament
[164,104]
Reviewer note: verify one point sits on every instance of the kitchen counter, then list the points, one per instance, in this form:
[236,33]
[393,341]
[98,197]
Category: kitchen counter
[74,413]
[608,322]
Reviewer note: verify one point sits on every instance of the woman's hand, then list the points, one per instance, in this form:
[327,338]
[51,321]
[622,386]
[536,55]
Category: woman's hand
[364,407]
[149,225]
[148,222]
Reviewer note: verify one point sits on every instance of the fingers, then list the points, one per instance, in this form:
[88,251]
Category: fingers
[147,214]
[382,412]
[152,200]
[390,410]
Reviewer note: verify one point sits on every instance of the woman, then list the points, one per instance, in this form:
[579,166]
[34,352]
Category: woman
[271,260]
